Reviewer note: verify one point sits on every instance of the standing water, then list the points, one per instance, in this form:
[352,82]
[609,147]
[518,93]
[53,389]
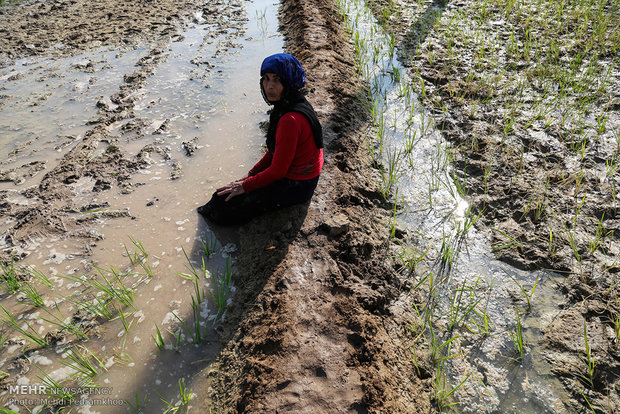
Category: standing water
[478,316]
[198,115]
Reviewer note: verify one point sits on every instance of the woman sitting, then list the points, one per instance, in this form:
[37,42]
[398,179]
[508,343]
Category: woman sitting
[289,171]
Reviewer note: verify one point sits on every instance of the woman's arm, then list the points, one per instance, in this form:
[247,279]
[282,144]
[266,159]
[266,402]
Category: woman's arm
[261,165]
[287,135]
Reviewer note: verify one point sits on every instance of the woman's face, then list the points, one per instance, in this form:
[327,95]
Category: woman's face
[273,87]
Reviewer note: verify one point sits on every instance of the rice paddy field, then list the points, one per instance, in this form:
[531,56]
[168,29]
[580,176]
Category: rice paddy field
[460,253]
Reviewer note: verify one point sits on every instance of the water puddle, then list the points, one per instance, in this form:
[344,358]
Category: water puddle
[201,111]
[481,317]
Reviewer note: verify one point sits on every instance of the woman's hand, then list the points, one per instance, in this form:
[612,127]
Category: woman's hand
[233,189]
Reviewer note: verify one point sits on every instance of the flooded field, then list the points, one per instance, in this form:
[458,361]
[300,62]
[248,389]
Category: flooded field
[195,121]
[472,301]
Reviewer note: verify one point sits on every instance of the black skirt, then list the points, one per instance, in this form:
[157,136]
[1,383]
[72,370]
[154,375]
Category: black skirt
[244,207]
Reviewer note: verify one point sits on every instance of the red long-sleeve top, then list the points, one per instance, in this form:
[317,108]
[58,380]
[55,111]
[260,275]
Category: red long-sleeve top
[295,155]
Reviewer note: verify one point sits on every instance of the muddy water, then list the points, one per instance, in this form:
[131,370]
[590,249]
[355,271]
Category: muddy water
[47,105]
[201,111]
[473,301]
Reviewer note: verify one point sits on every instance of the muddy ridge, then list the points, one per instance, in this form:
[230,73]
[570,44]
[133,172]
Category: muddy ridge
[317,333]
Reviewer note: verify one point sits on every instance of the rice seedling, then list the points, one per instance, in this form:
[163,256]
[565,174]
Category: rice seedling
[392,221]
[158,339]
[440,352]
[526,294]
[209,245]
[220,288]
[460,181]
[392,175]
[184,326]
[448,251]
[516,334]
[28,332]
[137,256]
[120,352]
[62,323]
[39,276]
[469,220]
[53,388]
[113,286]
[9,277]
[102,307]
[587,402]
[481,327]
[195,278]
[186,395]
[601,234]
[137,407]
[197,329]
[510,244]
[410,140]
[184,400]
[590,363]
[34,297]
[572,241]
[261,21]
[178,335]
[441,387]
[410,259]
[459,310]
[122,317]
[612,165]
[82,364]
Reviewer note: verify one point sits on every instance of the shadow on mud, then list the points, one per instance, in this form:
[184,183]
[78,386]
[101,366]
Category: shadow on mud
[262,245]
[420,29]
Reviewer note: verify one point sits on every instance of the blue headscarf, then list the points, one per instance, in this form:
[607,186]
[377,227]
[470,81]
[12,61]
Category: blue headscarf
[293,76]
[287,67]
